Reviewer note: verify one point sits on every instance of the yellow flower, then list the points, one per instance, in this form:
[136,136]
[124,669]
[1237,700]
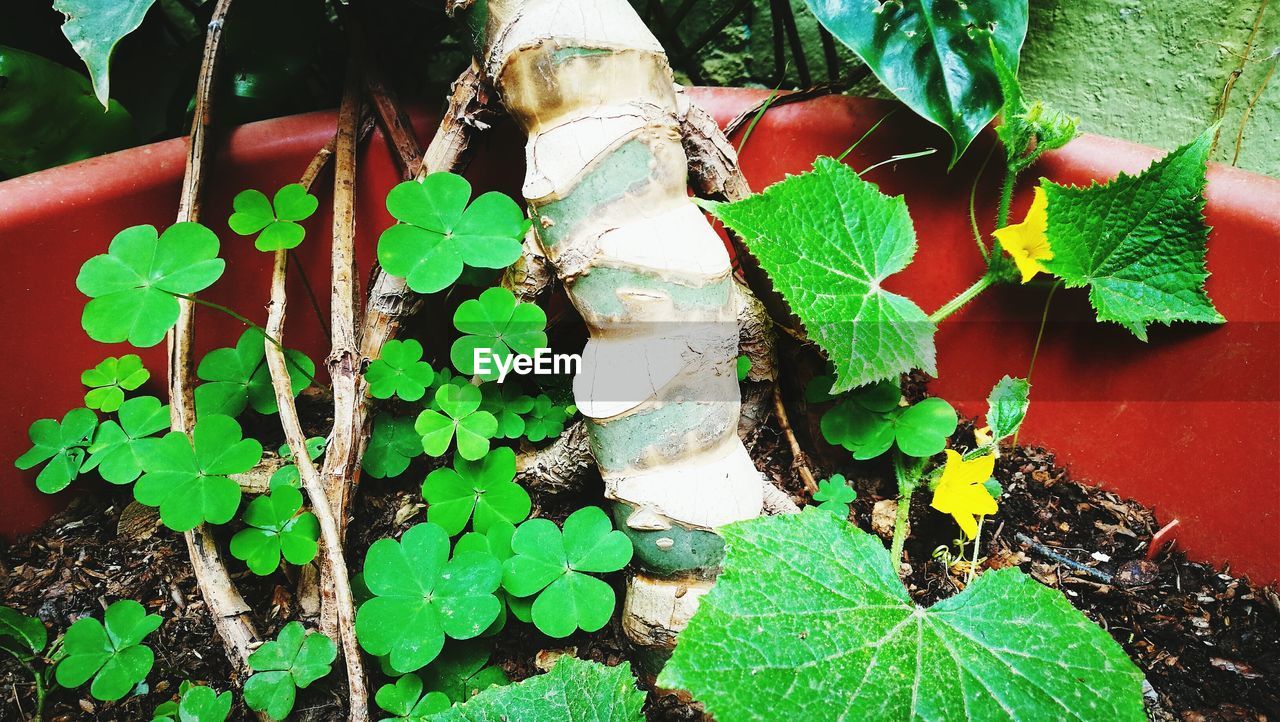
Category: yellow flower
[1027,241]
[982,436]
[960,492]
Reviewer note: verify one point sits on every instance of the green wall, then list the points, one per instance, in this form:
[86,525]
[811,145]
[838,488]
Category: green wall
[1152,71]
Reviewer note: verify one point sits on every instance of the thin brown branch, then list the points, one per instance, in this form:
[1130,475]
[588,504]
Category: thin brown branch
[394,121]
[799,460]
[227,609]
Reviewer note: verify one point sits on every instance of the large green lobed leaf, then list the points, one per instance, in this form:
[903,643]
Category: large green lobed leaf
[828,240]
[934,55]
[1138,242]
[809,622]
[573,691]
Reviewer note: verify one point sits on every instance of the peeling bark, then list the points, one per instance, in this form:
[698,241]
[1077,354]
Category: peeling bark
[606,182]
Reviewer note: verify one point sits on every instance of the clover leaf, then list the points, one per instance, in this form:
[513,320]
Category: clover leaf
[835,495]
[196,704]
[239,377]
[460,672]
[554,565]
[496,542]
[405,700]
[461,417]
[22,636]
[187,477]
[275,529]
[496,326]
[545,420]
[420,596]
[62,445]
[438,232]
[275,223]
[485,488]
[288,475]
[109,380]
[392,445]
[115,448]
[508,403]
[919,430]
[133,284]
[400,371]
[282,667]
[110,652]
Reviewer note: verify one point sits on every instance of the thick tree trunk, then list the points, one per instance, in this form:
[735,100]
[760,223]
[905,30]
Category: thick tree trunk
[606,180]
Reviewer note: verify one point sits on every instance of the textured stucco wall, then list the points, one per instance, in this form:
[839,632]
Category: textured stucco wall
[1152,71]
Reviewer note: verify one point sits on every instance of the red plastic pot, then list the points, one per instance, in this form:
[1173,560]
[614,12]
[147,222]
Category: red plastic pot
[1188,422]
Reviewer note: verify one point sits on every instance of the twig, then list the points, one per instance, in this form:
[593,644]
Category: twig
[227,609]
[338,586]
[799,460]
[1062,559]
[798,96]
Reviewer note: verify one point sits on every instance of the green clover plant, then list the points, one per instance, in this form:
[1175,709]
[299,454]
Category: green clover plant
[275,222]
[135,285]
[289,475]
[870,421]
[291,662]
[404,699]
[439,232]
[835,494]
[238,377]
[63,445]
[400,371]
[275,529]
[109,652]
[496,326]
[109,380]
[460,672]
[196,703]
[509,404]
[545,420]
[392,445]
[495,542]
[420,596]
[483,489]
[459,416]
[555,565]
[115,451]
[187,477]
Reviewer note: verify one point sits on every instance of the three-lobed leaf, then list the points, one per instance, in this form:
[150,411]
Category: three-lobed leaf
[110,652]
[828,241]
[919,430]
[115,451]
[495,326]
[392,445]
[404,699]
[275,222]
[439,233]
[459,417]
[132,286]
[556,564]
[509,404]
[239,377]
[275,529]
[1138,242]
[420,596]
[484,489]
[187,478]
[399,371]
[545,419]
[62,445]
[109,380]
[197,703]
[809,621]
[294,660]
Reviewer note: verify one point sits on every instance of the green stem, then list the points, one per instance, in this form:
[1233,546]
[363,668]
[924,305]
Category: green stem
[1006,198]
[963,298]
[242,319]
[973,213]
[908,480]
[977,543]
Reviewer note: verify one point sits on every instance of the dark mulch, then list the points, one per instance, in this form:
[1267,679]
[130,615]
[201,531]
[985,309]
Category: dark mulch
[1209,643]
